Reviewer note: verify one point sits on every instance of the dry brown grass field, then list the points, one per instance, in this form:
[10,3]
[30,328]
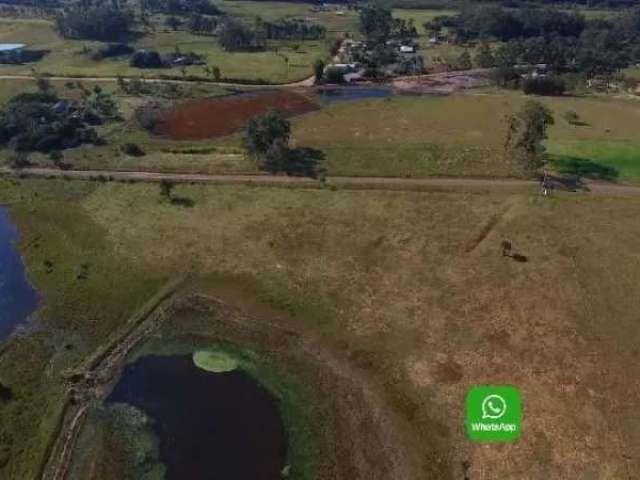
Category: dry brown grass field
[410,287]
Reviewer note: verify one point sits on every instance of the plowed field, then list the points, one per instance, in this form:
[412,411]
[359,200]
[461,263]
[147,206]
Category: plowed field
[200,119]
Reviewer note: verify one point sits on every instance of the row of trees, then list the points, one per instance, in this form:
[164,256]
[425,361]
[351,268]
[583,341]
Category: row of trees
[180,7]
[292,30]
[527,130]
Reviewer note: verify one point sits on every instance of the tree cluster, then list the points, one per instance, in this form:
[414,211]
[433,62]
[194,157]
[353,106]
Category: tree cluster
[378,24]
[153,59]
[44,122]
[201,24]
[181,7]
[267,140]
[294,29]
[100,21]
[565,42]
[235,36]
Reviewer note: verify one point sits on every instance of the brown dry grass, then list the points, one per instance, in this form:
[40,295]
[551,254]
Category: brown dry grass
[388,274]
[388,279]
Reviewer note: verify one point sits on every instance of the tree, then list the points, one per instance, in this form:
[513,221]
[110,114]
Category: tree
[166,189]
[318,70]
[267,139]
[485,58]
[266,131]
[549,86]
[527,130]
[464,61]
[43,84]
[146,59]
[174,23]
[217,74]
[376,23]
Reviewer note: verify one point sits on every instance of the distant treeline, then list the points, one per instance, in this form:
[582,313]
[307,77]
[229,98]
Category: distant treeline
[180,7]
[566,42]
[292,30]
[100,21]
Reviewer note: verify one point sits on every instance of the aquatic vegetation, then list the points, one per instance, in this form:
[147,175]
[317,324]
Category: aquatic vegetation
[216,362]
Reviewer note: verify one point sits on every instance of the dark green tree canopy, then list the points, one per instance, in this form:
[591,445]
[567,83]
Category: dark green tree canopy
[527,130]
[264,131]
[102,21]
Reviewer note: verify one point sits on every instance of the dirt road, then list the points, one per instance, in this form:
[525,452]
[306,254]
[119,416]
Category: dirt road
[372,183]
[307,82]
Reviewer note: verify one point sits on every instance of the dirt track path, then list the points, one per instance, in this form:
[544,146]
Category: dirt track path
[307,82]
[373,183]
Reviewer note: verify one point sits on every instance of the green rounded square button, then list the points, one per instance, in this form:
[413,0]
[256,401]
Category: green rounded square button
[494,413]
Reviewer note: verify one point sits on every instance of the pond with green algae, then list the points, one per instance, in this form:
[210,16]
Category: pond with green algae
[214,422]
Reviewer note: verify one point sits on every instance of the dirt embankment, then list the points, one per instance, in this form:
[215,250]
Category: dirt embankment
[201,119]
[93,379]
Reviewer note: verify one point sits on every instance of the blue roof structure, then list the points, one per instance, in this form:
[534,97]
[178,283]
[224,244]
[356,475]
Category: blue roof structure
[8,47]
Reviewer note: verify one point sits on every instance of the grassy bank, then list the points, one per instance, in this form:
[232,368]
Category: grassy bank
[76,313]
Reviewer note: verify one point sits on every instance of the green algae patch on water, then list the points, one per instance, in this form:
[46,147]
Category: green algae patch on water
[216,362]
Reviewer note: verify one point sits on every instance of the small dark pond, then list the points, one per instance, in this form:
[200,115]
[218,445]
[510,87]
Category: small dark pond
[211,426]
[341,94]
[18,299]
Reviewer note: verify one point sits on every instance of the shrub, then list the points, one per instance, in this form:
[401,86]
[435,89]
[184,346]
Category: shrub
[133,150]
[148,116]
[334,75]
[112,50]
[147,59]
[550,86]
[56,156]
[19,160]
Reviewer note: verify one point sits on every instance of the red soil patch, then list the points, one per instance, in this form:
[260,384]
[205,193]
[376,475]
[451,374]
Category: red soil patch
[199,119]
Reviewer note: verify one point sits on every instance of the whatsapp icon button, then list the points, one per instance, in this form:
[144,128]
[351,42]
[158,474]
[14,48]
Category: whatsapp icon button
[494,413]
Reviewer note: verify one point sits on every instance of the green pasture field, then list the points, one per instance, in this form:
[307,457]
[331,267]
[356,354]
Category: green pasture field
[599,160]
[455,135]
[70,57]
[403,136]
[336,23]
